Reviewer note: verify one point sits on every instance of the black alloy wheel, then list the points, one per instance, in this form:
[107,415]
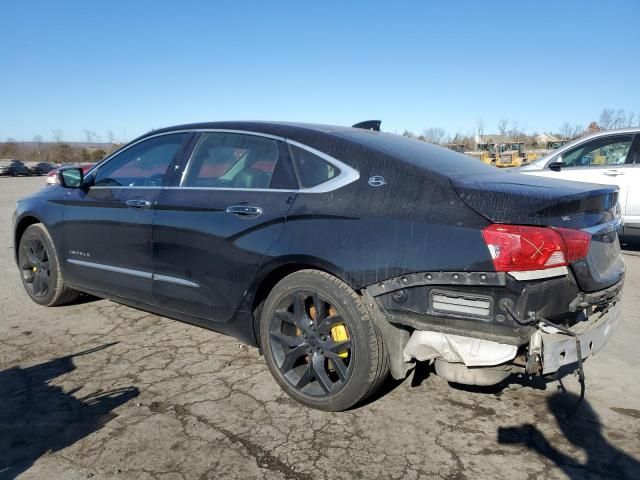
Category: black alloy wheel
[320,342]
[311,344]
[34,265]
[40,269]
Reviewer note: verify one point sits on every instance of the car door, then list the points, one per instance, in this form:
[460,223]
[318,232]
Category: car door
[107,229]
[632,211]
[606,160]
[214,227]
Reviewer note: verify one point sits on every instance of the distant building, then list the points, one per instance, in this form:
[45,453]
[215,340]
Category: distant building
[493,138]
[545,138]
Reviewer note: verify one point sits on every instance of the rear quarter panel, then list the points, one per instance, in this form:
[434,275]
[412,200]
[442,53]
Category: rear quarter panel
[415,222]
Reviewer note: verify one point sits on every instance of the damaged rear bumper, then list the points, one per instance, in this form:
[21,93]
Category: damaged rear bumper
[559,349]
[494,326]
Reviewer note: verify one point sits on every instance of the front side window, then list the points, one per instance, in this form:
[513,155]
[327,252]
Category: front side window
[233,160]
[312,170]
[600,152]
[142,165]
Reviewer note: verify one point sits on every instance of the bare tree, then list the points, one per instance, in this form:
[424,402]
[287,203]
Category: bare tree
[566,131]
[516,133]
[610,118]
[631,119]
[408,134]
[37,139]
[90,135]
[480,128]
[434,135]
[9,149]
[111,138]
[578,131]
[58,135]
[606,118]
[502,126]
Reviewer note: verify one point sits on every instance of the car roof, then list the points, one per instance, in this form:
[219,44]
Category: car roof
[323,137]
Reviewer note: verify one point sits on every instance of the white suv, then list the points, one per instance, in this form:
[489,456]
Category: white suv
[611,157]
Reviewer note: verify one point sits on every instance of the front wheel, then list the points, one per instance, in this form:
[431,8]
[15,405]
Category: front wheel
[40,268]
[320,343]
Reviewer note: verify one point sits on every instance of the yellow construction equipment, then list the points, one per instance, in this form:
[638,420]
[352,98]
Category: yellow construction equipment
[481,155]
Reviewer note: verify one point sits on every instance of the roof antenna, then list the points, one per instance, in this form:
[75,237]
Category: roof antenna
[369,125]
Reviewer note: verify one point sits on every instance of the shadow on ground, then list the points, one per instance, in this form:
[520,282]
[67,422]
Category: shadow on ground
[37,417]
[580,428]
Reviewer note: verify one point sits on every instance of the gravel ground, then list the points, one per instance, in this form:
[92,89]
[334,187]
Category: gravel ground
[99,390]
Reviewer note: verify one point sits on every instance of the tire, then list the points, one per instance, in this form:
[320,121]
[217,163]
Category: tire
[40,268]
[304,342]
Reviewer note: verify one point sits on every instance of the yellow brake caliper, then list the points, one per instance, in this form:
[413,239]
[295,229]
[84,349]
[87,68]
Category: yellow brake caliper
[338,332]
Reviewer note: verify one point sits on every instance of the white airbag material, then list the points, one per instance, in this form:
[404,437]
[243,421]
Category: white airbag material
[473,352]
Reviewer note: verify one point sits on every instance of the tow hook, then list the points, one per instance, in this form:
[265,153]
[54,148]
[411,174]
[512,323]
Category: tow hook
[534,359]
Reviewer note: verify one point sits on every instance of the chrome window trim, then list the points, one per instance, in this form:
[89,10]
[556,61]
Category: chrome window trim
[107,159]
[230,189]
[347,174]
[105,187]
[134,273]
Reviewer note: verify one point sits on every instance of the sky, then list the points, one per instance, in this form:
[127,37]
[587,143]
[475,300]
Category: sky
[130,67]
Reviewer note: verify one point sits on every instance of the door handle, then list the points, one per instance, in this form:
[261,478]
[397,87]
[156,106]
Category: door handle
[244,210]
[613,173]
[138,203]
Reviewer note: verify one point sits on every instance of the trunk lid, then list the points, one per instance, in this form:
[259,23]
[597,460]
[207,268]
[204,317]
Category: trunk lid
[506,197]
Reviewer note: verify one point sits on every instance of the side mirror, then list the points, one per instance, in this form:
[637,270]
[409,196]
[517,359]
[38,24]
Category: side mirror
[557,165]
[70,177]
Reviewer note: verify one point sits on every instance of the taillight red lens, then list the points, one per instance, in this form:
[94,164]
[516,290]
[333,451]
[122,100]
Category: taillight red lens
[521,247]
[577,243]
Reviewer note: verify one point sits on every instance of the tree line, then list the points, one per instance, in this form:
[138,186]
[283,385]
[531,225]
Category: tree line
[515,131]
[57,150]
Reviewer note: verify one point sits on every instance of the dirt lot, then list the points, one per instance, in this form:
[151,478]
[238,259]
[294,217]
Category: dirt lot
[97,390]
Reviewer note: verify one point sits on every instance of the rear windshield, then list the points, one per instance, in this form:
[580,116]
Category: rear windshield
[419,153]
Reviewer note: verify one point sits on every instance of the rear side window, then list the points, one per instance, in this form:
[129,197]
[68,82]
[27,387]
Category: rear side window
[312,170]
[235,160]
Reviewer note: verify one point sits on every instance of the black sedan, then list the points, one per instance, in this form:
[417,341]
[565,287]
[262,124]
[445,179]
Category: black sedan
[39,168]
[14,168]
[342,253]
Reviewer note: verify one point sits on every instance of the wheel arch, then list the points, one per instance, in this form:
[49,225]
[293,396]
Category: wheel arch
[21,225]
[269,276]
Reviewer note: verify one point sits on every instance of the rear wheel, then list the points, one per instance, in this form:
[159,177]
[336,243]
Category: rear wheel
[320,343]
[40,268]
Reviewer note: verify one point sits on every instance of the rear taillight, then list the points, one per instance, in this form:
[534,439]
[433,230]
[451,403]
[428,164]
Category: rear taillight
[521,247]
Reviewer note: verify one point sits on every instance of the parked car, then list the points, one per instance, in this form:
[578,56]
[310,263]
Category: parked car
[52,175]
[342,253]
[39,168]
[7,168]
[610,157]
[14,168]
